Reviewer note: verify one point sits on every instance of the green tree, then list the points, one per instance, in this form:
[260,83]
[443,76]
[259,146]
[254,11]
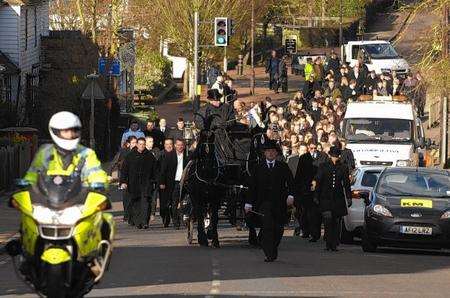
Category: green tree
[152,71]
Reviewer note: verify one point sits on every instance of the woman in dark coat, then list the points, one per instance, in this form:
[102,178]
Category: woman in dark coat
[333,191]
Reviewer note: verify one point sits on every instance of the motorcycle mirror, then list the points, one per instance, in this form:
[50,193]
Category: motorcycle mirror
[97,186]
[21,183]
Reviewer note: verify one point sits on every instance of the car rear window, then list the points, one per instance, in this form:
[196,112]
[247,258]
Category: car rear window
[370,178]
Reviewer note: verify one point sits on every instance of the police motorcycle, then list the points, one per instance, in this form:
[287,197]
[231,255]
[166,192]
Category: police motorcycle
[66,238]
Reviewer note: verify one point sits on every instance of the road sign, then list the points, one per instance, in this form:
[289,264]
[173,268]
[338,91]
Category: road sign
[109,67]
[291,45]
[115,68]
[102,61]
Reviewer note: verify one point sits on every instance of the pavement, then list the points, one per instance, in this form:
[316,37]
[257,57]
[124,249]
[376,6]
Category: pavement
[158,263]
[9,220]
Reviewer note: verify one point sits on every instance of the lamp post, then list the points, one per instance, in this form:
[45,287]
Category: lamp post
[92,77]
[341,37]
[196,23]
[252,79]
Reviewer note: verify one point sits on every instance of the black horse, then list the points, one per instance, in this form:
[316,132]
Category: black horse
[220,168]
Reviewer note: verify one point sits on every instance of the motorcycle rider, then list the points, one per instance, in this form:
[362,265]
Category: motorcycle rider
[66,155]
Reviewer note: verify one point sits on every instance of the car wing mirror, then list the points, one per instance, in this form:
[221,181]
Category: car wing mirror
[365,195]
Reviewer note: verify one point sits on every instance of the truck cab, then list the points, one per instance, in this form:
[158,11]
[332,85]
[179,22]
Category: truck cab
[384,132]
[378,55]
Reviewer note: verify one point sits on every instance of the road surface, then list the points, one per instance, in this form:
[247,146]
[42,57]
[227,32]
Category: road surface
[158,263]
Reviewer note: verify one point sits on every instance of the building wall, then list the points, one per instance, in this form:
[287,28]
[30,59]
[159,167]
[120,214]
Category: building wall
[68,57]
[9,31]
[33,25]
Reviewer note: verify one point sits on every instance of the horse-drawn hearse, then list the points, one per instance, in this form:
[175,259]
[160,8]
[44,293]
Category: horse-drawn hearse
[218,175]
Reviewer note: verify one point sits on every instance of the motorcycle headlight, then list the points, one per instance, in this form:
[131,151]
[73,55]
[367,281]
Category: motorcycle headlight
[381,210]
[68,216]
[446,215]
[404,163]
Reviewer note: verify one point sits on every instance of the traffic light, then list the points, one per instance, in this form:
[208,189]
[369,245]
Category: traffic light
[221,32]
[231,29]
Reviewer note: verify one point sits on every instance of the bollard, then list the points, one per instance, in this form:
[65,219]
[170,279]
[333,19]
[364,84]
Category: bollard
[240,69]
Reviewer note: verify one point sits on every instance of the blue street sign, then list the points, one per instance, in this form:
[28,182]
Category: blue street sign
[115,68]
[102,65]
[108,67]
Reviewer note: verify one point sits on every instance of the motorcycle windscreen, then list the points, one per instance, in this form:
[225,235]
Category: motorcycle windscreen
[58,192]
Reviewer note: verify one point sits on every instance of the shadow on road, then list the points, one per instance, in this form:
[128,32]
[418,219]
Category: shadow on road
[165,265]
[147,266]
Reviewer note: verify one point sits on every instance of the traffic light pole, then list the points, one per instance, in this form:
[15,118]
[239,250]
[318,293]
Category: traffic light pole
[196,22]
[444,95]
[225,60]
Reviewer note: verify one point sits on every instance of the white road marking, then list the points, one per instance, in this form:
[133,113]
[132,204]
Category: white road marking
[215,283]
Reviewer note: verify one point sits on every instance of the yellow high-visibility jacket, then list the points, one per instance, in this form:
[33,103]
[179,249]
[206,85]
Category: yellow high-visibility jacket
[48,159]
[309,69]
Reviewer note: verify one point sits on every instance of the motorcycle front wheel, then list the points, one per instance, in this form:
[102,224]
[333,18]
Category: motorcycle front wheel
[56,287]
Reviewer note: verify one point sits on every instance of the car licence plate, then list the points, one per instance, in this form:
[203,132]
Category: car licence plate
[416,203]
[416,230]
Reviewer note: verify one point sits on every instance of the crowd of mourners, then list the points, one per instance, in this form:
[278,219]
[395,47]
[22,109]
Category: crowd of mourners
[152,160]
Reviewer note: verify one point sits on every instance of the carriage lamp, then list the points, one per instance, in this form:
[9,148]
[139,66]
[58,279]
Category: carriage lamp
[188,133]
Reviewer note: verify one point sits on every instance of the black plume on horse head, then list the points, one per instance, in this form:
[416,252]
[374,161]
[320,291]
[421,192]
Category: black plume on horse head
[207,121]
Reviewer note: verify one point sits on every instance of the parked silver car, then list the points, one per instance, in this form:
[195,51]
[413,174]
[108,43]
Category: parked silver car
[363,180]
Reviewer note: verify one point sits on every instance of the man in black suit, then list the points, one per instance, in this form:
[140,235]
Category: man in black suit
[172,166]
[163,128]
[155,133]
[310,215]
[370,83]
[270,193]
[177,132]
[315,111]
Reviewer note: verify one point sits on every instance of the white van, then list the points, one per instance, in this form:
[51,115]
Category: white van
[179,64]
[378,55]
[383,132]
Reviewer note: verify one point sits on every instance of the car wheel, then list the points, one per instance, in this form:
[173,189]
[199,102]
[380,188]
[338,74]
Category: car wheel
[366,244]
[345,236]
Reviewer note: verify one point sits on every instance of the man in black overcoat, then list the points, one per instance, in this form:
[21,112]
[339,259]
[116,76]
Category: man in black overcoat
[222,113]
[152,131]
[270,193]
[273,68]
[310,216]
[172,166]
[332,184]
[136,176]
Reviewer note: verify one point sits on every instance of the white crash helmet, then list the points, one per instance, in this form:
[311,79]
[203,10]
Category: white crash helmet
[64,120]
